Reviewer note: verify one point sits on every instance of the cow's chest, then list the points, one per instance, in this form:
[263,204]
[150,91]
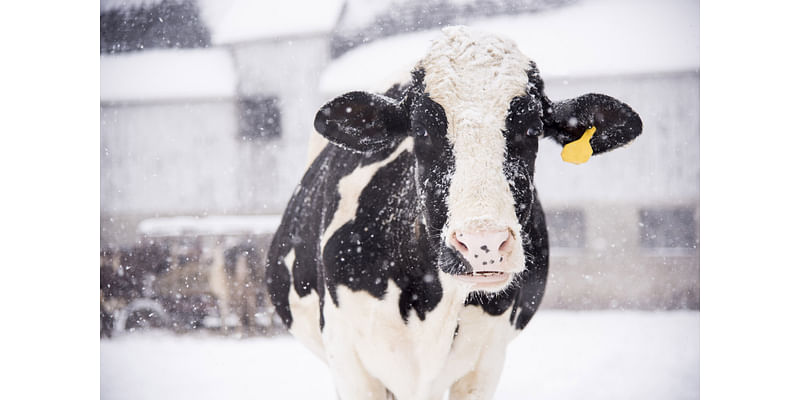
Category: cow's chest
[418,358]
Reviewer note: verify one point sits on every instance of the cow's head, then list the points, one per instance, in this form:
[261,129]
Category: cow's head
[476,110]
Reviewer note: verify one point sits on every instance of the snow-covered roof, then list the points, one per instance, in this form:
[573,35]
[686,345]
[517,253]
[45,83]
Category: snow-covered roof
[214,225]
[360,13]
[167,75]
[108,5]
[589,38]
[234,21]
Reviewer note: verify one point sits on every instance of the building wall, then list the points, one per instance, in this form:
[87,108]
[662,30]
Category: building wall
[614,270]
[187,157]
[290,71]
[167,157]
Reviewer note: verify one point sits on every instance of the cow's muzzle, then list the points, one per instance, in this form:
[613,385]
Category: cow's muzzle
[487,252]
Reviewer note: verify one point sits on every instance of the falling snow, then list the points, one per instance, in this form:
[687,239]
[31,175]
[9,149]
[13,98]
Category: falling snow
[189,197]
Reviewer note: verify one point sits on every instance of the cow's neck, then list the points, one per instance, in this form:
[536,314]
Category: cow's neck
[433,338]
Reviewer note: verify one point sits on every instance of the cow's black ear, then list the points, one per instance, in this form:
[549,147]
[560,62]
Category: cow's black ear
[362,122]
[616,123]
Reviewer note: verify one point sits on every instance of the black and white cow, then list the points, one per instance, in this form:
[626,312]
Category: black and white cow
[415,247]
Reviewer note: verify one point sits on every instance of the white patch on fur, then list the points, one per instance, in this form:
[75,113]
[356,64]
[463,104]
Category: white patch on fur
[369,347]
[478,354]
[316,143]
[474,76]
[409,358]
[351,186]
[305,313]
[345,328]
[288,261]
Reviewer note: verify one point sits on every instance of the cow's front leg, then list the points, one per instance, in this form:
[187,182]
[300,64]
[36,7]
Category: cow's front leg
[352,381]
[481,382]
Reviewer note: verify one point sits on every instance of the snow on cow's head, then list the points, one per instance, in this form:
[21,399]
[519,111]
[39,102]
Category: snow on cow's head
[476,109]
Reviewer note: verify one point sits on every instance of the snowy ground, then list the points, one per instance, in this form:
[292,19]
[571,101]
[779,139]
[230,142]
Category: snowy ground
[561,355]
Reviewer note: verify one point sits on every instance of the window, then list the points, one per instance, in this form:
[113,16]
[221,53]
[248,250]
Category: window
[673,227]
[259,118]
[566,228]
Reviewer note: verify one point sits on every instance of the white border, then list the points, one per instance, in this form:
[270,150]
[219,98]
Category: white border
[750,269]
[50,208]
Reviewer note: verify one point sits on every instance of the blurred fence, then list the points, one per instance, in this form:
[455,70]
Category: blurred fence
[189,275]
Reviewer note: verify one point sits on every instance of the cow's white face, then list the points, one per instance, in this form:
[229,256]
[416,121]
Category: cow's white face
[474,77]
[476,109]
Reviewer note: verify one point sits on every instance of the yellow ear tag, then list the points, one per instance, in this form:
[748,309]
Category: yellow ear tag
[579,151]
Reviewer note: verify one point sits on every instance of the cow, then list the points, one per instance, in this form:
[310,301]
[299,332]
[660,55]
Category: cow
[415,247]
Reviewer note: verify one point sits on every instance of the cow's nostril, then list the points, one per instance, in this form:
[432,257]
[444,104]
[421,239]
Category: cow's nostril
[507,242]
[459,245]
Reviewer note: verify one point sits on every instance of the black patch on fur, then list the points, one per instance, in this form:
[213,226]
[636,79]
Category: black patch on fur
[565,121]
[362,122]
[533,280]
[309,211]
[452,262]
[435,163]
[616,122]
[380,244]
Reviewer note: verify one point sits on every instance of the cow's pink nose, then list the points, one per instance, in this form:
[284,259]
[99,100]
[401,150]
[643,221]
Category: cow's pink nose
[483,249]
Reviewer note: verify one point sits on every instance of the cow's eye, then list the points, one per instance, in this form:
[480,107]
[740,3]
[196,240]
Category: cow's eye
[420,131]
[532,132]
